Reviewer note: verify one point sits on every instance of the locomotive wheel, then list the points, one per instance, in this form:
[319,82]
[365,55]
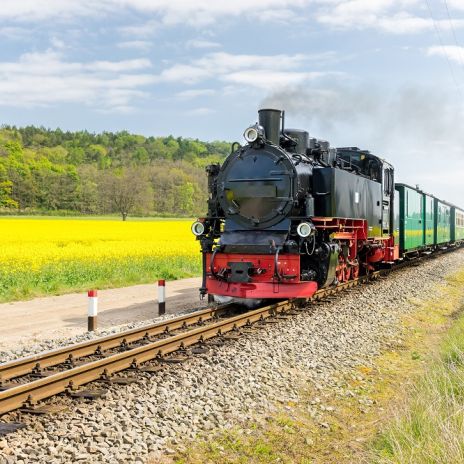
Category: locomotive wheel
[347,273]
[355,272]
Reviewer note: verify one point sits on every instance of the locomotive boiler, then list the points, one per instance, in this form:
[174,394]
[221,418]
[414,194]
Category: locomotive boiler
[288,214]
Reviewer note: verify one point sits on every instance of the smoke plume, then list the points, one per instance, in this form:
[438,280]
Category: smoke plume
[419,130]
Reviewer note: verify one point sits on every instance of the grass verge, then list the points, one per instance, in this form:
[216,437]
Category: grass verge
[352,422]
[74,276]
[431,427]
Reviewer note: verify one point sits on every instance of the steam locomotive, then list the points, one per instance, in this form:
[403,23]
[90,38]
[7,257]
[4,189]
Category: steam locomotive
[288,215]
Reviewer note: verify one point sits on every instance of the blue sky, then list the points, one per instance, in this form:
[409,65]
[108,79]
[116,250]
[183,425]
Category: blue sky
[381,74]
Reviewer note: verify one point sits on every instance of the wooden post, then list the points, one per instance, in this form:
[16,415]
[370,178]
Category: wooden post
[92,310]
[161,297]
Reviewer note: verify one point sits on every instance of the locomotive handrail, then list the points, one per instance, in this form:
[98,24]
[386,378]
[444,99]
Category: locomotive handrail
[211,266]
[276,262]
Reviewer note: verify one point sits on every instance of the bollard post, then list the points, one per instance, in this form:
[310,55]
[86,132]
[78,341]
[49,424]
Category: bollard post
[161,297]
[92,310]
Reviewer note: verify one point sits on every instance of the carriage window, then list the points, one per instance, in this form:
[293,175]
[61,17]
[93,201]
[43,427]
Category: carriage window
[387,180]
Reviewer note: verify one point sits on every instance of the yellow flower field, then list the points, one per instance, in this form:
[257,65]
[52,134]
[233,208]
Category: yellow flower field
[44,256]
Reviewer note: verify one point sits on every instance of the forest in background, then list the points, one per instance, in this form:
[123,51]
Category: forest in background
[44,171]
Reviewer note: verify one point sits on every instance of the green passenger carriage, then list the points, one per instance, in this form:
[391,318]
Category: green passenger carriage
[442,222]
[457,222]
[424,222]
[411,217]
[429,220]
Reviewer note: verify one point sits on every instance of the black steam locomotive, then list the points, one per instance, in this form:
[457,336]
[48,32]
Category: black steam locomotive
[288,214]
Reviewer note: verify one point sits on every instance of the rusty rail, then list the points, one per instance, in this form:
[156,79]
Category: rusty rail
[70,354]
[32,392]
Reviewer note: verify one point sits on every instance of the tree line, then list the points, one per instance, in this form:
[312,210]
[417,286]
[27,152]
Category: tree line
[56,172]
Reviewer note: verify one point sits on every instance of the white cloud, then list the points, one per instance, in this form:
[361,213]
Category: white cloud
[222,62]
[184,73]
[266,80]
[198,43]
[142,30]
[203,111]
[453,52]
[194,93]
[45,78]
[142,45]
[192,12]
[57,43]
[283,15]
[259,71]
[390,16]
[456,4]
[42,79]
[15,33]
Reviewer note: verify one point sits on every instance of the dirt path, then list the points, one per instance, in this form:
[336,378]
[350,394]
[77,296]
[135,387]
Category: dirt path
[66,315]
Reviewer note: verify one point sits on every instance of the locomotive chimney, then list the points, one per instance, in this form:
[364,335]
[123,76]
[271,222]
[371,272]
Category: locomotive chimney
[270,120]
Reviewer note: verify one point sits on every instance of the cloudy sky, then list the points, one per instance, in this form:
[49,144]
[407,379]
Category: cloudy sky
[385,75]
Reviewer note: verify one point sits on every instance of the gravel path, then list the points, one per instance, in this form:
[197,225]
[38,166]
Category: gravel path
[240,380]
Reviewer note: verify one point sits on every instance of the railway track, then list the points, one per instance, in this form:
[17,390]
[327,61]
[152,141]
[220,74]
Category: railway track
[25,382]
[29,380]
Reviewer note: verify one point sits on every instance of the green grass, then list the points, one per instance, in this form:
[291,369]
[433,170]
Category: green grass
[66,277]
[429,427]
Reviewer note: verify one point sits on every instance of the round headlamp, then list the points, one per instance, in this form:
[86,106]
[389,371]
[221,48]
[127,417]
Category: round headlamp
[251,134]
[198,228]
[304,229]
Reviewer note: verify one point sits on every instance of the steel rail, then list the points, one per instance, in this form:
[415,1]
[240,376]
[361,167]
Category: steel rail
[32,392]
[69,354]
[74,377]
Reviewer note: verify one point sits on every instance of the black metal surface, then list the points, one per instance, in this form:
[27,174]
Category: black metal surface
[339,193]
[258,187]
[239,271]
[301,139]
[270,120]
[252,241]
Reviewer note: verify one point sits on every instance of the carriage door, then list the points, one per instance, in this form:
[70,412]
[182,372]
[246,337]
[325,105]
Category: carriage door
[387,188]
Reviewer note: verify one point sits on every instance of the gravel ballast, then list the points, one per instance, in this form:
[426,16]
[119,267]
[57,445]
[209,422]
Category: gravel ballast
[245,379]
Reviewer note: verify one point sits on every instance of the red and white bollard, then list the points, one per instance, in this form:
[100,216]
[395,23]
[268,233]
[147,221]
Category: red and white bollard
[92,310]
[161,297]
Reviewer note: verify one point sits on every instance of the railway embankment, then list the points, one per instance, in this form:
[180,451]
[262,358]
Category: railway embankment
[316,386]
[403,405]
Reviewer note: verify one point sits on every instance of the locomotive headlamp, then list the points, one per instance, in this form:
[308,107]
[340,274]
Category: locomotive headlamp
[305,229]
[253,133]
[198,228]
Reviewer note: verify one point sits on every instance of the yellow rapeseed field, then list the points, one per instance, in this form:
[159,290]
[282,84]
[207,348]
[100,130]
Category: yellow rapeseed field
[42,256]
